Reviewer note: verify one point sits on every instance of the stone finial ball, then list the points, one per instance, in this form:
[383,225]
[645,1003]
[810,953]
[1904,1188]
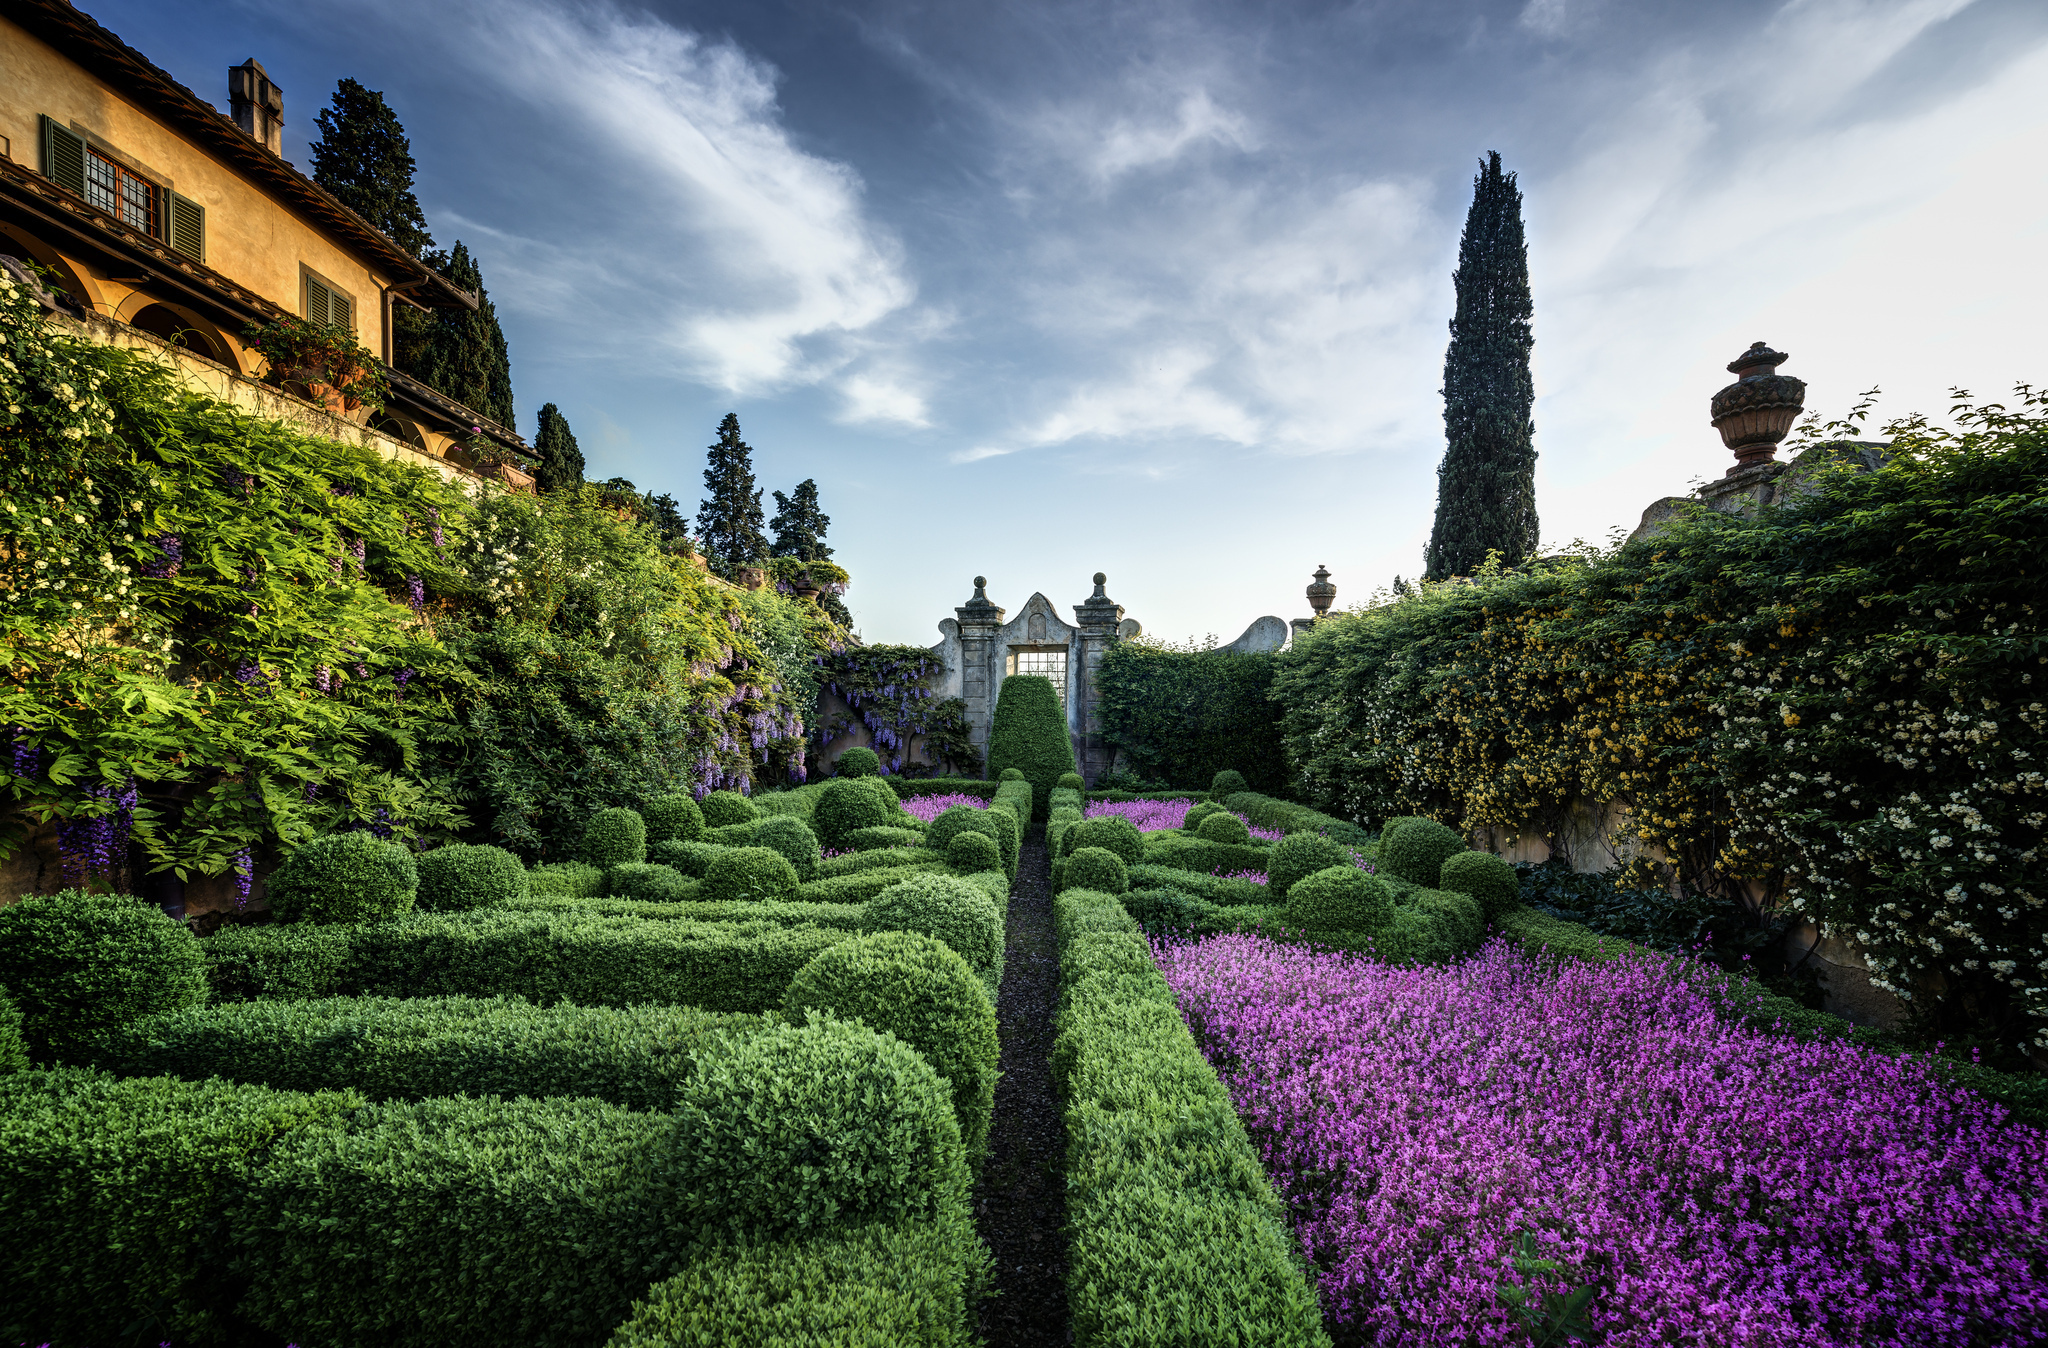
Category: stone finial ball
[980,581]
[1101,579]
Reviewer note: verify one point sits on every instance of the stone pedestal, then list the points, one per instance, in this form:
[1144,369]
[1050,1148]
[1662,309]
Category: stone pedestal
[980,663]
[1096,622]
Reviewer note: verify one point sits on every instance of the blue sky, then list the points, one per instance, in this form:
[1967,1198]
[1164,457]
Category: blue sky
[1035,290]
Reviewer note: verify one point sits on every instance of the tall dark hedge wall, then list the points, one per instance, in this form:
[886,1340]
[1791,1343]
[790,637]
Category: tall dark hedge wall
[1184,716]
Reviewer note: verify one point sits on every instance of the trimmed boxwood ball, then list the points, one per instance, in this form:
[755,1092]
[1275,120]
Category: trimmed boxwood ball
[727,807]
[748,873]
[459,877]
[673,817]
[1199,812]
[345,877]
[614,837]
[945,907]
[75,963]
[1298,855]
[1095,868]
[801,1129]
[1010,775]
[1490,881]
[646,880]
[13,1046]
[1071,781]
[791,836]
[957,820]
[1341,898]
[1224,827]
[1416,849]
[1227,783]
[1110,832]
[1028,734]
[920,990]
[847,805]
[971,852]
[858,762]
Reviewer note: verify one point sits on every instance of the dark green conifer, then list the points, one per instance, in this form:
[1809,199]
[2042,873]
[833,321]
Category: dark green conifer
[800,526]
[1486,485]
[364,159]
[554,445]
[729,519]
[461,352]
[660,511]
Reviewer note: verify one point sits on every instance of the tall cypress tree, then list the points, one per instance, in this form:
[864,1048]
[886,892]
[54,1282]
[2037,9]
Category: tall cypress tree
[460,352]
[1486,485]
[554,444]
[800,526]
[364,159]
[729,520]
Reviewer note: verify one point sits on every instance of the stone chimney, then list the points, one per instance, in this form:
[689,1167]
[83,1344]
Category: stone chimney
[258,105]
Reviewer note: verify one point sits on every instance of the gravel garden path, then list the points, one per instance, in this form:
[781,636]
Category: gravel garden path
[1021,1202]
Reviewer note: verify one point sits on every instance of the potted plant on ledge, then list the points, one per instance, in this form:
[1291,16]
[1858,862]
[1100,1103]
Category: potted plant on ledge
[322,363]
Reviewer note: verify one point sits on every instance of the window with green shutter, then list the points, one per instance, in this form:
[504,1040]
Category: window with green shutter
[185,226]
[63,156]
[327,304]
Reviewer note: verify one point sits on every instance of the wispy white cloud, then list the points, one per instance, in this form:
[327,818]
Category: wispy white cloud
[872,399]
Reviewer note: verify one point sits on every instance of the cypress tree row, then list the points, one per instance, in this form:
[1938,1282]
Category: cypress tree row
[364,159]
[554,445]
[729,519]
[460,352]
[800,526]
[1486,485]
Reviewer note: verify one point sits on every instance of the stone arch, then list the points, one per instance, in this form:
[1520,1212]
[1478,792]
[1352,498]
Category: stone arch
[24,245]
[177,325]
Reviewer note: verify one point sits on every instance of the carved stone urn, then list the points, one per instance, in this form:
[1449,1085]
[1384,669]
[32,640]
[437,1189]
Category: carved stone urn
[1321,594]
[1754,413]
[805,587]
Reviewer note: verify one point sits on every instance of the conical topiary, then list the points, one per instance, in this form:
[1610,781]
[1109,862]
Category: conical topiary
[1030,734]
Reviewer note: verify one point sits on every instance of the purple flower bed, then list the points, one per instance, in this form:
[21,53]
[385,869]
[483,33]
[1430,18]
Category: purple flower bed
[1715,1184]
[1146,814]
[929,808]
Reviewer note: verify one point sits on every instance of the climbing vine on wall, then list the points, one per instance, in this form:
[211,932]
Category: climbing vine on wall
[890,689]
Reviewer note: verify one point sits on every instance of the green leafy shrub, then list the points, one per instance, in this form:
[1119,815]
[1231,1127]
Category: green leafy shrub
[1226,828]
[748,873]
[1490,881]
[1071,781]
[1299,855]
[570,879]
[457,877]
[416,1048]
[1095,868]
[615,837]
[344,877]
[906,787]
[1028,735]
[1179,716]
[1227,783]
[1199,812]
[793,838]
[721,808]
[691,858]
[972,852]
[112,1193]
[847,805]
[884,836]
[732,835]
[955,819]
[1224,890]
[853,863]
[1057,827]
[948,908]
[1341,898]
[1010,775]
[1112,833]
[646,880]
[1416,849]
[1065,798]
[13,1044]
[907,1285]
[76,963]
[674,817]
[858,762]
[920,990]
[1460,913]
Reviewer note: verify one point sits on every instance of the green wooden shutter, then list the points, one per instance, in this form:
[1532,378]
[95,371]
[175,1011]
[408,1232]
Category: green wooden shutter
[316,301]
[339,311]
[63,156]
[185,226]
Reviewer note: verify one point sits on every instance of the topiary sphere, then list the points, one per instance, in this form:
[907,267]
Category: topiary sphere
[1227,783]
[459,877]
[614,837]
[1011,775]
[673,818]
[1341,898]
[1490,881]
[1095,868]
[956,820]
[1224,827]
[76,963]
[791,836]
[1112,833]
[1071,781]
[858,762]
[749,874]
[13,1045]
[800,1129]
[945,907]
[1298,855]
[721,808]
[344,877]
[971,852]
[646,880]
[1416,850]
[845,806]
[1198,812]
[920,990]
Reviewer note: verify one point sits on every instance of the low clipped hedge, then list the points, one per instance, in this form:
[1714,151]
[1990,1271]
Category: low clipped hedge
[1057,825]
[546,957]
[76,963]
[1066,798]
[691,858]
[13,1045]
[853,863]
[1177,1235]
[1164,910]
[1009,834]
[343,877]
[882,836]
[414,1048]
[1341,898]
[732,835]
[906,787]
[112,1196]
[648,881]
[1270,812]
[1016,794]
[570,879]
[1183,851]
[1223,890]
[957,819]
[861,886]
[900,1285]
[459,877]
[741,874]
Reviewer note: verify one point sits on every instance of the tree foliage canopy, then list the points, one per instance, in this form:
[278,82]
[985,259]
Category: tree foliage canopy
[729,517]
